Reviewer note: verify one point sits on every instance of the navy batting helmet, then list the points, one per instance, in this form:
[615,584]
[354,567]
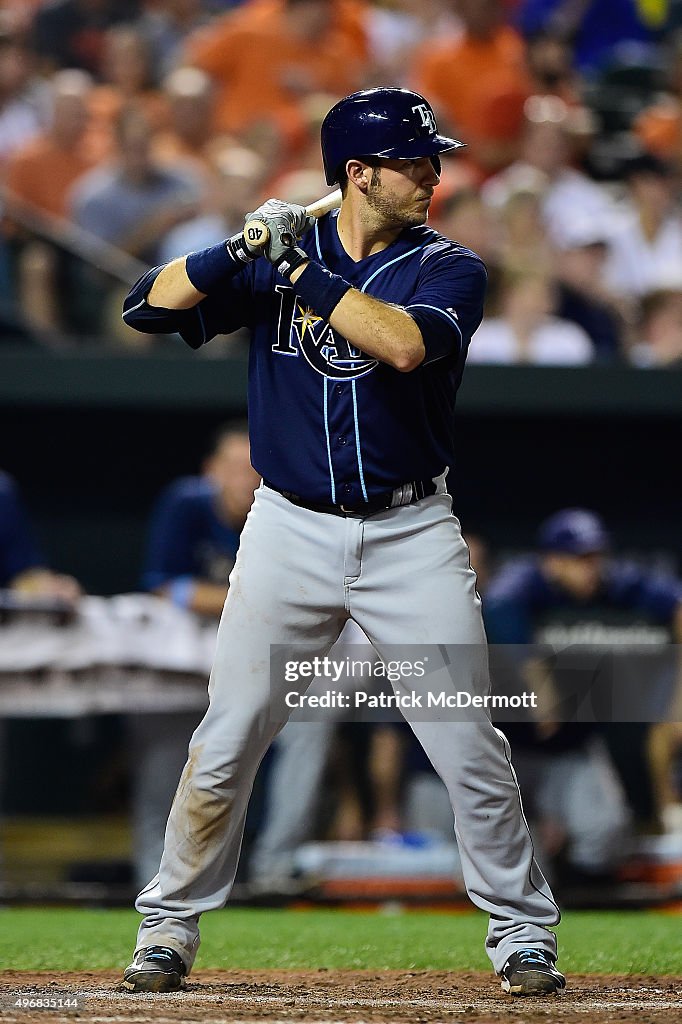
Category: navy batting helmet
[393,123]
[573,531]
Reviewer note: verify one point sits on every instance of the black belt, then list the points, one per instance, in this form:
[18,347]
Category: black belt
[411,492]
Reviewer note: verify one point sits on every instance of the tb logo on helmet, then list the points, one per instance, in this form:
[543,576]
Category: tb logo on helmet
[427,116]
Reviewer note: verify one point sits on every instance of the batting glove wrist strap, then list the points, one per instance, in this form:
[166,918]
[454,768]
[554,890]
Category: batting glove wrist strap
[321,290]
[210,267]
[290,260]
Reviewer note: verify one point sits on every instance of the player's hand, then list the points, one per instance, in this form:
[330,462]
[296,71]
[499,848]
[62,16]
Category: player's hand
[286,222]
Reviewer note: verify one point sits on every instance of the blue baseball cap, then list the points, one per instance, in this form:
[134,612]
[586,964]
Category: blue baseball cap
[574,531]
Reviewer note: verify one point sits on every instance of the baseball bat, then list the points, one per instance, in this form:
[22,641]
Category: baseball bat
[257,233]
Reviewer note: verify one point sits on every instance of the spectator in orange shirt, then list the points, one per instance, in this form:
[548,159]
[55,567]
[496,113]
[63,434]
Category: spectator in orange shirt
[479,83]
[269,55]
[39,178]
[44,169]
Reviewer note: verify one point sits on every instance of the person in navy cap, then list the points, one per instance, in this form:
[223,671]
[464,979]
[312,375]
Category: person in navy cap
[583,781]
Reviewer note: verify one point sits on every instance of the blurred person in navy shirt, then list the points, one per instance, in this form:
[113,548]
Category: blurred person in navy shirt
[22,565]
[192,546]
[195,527]
[568,596]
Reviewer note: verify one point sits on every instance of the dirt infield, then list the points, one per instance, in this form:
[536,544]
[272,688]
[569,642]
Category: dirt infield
[336,997]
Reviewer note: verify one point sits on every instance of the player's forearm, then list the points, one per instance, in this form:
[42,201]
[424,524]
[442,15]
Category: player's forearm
[386,332]
[380,330]
[39,582]
[195,595]
[183,283]
[538,678]
[173,288]
[208,599]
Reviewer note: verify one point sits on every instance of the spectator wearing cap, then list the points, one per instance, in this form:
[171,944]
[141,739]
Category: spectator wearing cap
[583,296]
[645,249]
[572,589]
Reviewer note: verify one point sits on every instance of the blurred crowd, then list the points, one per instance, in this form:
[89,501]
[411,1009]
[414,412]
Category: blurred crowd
[133,131]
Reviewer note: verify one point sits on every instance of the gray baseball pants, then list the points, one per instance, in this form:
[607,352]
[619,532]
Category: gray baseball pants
[404,576]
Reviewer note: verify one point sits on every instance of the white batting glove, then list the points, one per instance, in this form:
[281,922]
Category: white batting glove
[286,222]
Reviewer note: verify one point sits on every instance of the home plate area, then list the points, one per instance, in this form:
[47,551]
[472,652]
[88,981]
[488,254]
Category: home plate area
[338,997]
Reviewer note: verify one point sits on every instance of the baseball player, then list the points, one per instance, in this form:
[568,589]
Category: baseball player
[574,595]
[359,337]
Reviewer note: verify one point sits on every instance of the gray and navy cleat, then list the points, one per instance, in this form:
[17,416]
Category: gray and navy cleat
[531,972]
[155,969]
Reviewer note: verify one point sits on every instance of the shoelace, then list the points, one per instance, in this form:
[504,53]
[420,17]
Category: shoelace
[533,956]
[160,953]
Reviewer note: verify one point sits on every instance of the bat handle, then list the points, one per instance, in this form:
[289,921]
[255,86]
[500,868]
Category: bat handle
[256,234]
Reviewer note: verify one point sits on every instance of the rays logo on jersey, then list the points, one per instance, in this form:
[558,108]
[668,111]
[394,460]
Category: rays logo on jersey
[300,329]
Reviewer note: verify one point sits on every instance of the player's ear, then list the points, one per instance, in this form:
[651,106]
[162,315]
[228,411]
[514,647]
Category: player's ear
[359,174]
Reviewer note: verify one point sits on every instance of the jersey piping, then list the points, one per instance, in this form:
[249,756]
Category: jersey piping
[357,441]
[329,448]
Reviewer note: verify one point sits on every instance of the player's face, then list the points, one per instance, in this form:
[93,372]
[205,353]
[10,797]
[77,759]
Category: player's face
[400,191]
[230,467]
[580,575]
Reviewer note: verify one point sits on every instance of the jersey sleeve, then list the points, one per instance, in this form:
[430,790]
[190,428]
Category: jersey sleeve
[171,539]
[448,303]
[216,314]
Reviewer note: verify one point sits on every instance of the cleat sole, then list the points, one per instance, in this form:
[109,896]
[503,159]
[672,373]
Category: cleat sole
[534,983]
[154,981]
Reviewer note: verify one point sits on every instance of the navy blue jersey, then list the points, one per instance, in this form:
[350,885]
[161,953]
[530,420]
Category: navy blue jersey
[18,551]
[187,537]
[326,421]
[521,603]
